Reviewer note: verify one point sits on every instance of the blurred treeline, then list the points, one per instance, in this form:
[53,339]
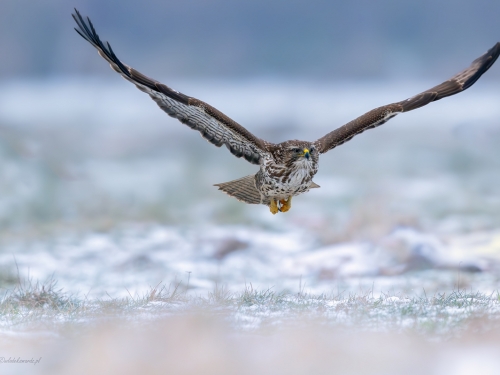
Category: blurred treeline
[212,38]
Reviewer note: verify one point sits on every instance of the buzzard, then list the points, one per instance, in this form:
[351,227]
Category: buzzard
[286,169]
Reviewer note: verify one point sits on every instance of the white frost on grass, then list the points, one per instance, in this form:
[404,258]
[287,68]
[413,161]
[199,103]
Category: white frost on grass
[133,259]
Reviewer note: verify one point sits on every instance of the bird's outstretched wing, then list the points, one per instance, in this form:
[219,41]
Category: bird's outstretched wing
[213,125]
[381,115]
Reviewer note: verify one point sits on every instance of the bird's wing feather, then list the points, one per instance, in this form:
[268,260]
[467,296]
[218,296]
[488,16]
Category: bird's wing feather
[381,115]
[213,125]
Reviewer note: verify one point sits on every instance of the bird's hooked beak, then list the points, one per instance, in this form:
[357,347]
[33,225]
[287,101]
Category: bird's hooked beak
[306,153]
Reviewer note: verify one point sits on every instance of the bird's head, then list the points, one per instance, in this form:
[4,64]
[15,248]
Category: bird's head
[299,153]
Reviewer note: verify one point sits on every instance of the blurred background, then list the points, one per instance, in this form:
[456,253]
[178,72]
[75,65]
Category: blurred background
[314,40]
[87,161]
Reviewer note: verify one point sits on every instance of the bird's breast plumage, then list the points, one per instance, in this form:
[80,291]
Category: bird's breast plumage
[281,181]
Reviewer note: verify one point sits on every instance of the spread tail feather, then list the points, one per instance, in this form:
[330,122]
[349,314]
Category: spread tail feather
[243,189]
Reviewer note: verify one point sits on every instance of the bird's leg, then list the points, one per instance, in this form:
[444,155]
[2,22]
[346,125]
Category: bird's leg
[274,206]
[286,204]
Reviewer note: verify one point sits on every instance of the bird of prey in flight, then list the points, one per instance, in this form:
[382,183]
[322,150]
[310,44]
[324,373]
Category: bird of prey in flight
[285,169]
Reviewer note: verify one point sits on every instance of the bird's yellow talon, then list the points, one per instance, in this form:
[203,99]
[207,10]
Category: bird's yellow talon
[274,207]
[286,204]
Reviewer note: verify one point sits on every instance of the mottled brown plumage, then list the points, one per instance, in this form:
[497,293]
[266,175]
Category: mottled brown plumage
[287,168]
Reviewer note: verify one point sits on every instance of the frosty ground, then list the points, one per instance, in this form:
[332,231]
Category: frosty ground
[250,332]
[110,223]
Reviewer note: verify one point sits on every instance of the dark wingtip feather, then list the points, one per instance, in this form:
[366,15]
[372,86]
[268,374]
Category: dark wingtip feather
[458,83]
[486,61]
[83,36]
[87,31]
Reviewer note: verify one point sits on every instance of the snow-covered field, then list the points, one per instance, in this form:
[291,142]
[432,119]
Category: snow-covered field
[104,194]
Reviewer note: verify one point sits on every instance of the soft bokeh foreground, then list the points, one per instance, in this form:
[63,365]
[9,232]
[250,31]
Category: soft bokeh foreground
[119,256]
[199,345]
